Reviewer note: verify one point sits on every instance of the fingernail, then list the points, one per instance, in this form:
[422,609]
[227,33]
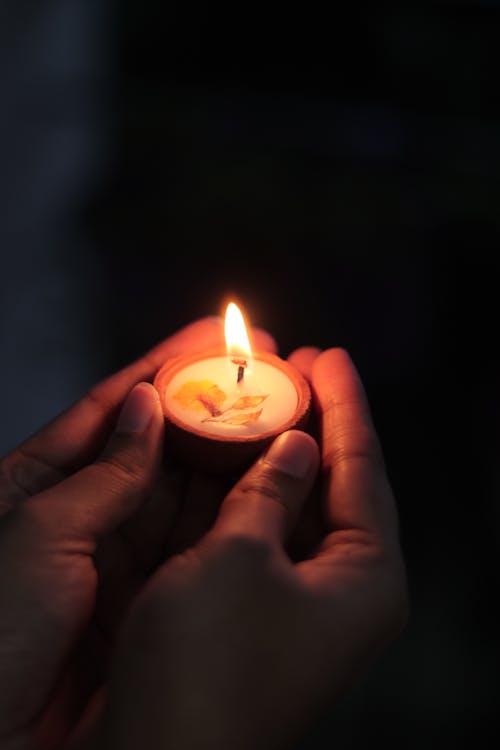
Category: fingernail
[138,409]
[294,453]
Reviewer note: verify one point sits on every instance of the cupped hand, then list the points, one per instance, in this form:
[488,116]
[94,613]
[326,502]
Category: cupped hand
[234,644]
[85,515]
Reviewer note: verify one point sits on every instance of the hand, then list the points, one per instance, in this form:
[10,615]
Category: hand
[234,645]
[80,530]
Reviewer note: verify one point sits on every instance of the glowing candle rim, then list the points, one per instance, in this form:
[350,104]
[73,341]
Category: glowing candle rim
[298,419]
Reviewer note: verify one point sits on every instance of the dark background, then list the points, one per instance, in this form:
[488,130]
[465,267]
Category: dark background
[339,174]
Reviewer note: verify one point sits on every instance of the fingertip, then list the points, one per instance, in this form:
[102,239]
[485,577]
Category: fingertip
[334,355]
[209,326]
[308,351]
[336,364]
[139,408]
[263,341]
[200,334]
[303,359]
[294,453]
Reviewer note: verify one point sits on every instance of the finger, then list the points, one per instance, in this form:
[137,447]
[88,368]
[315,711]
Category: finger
[266,501]
[358,495]
[309,530]
[146,532]
[96,499]
[303,359]
[125,558]
[76,437]
[261,340]
[199,512]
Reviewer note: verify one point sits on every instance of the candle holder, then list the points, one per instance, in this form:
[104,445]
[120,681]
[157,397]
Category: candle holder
[221,429]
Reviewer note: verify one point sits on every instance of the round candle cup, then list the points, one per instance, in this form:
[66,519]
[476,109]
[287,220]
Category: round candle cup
[220,426]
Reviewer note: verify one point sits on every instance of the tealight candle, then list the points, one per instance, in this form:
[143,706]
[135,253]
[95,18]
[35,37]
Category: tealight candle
[223,407]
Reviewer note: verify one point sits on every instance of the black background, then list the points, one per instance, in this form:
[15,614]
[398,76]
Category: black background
[337,172]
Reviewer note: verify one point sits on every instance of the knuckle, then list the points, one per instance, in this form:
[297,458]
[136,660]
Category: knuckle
[345,444]
[96,396]
[24,474]
[121,470]
[264,486]
[26,526]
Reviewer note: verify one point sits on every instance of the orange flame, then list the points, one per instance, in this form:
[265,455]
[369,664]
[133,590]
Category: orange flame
[237,343]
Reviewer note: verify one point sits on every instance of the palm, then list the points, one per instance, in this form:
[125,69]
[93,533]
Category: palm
[169,522]
[248,639]
[77,592]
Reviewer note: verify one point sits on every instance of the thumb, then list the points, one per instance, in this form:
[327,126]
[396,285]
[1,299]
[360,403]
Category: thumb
[266,501]
[98,498]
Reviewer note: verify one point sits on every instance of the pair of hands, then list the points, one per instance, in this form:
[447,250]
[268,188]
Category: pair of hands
[144,605]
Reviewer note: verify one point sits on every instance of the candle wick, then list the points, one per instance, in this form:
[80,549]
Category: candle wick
[242,363]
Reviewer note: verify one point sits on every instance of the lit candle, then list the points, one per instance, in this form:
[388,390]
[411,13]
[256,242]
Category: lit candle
[222,407]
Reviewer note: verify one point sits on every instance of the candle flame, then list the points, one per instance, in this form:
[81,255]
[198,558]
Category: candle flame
[237,343]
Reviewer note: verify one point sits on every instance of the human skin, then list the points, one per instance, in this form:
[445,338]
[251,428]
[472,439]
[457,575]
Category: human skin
[87,511]
[89,516]
[236,643]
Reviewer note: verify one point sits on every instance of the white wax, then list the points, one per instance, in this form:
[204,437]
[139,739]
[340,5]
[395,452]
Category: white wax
[261,378]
